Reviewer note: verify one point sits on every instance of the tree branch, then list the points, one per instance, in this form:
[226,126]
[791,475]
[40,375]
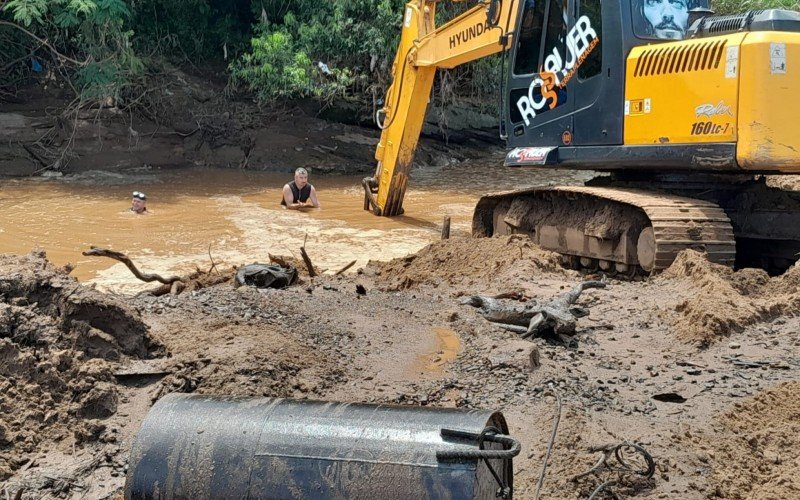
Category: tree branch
[148,277]
[44,42]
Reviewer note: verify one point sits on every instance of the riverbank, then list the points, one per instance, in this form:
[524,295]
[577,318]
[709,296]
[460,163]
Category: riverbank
[715,411]
[187,121]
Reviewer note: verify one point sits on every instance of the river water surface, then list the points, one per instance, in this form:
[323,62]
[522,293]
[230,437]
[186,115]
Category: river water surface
[237,214]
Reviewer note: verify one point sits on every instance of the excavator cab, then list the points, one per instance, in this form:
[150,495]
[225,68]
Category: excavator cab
[566,75]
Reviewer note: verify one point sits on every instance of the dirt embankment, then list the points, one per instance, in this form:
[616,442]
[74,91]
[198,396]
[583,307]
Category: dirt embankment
[58,344]
[183,120]
[467,261]
[722,301]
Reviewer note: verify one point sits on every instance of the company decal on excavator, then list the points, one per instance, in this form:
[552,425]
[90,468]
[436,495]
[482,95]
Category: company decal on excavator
[708,111]
[548,89]
[529,156]
[468,34]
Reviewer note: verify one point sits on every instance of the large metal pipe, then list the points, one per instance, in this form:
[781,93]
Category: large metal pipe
[198,447]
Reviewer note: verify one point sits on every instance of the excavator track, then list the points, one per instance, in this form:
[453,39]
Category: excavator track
[617,230]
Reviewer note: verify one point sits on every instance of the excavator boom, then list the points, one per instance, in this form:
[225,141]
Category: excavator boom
[479,32]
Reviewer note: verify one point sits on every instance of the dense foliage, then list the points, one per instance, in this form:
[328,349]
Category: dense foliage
[273,48]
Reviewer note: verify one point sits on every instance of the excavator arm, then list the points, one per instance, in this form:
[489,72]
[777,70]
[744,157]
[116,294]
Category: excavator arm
[483,30]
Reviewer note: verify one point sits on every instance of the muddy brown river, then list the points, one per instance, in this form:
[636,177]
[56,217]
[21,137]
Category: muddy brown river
[237,214]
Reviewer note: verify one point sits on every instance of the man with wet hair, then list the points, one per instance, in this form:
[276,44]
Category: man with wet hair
[139,203]
[299,194]
[666,19]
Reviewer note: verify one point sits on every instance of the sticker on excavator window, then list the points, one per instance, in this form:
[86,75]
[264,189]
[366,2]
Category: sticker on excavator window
[663,19]
[548,89]
[409,13]
[777,58]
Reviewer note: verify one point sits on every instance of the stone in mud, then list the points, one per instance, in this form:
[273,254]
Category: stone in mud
[515,353]
[100,402]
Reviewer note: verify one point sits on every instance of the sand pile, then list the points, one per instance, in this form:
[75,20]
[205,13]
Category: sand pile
[759,457]
[722,301]
[468,261]
[58,341]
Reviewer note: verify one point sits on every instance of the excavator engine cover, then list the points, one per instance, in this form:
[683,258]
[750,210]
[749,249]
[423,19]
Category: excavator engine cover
[203,447]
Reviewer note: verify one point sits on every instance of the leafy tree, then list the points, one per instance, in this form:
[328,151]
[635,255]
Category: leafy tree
[85,41]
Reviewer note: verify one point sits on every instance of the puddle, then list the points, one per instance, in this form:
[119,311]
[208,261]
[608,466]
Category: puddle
[446,350]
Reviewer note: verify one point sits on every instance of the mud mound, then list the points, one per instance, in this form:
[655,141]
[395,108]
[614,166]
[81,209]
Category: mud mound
[467,261]
[57,339]
[758,458]
[722,301]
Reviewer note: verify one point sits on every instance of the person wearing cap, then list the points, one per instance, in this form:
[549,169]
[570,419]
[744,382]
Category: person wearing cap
[139,203]
[299,194]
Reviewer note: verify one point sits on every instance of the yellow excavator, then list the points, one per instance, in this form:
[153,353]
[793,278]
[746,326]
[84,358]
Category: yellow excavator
[685,111]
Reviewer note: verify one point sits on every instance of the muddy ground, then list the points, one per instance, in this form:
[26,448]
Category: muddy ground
[698,365]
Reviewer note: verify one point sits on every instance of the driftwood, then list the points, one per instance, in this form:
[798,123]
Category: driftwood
[345,268]
[555,317]
[146,277]
[311,272]
[173,285]
[446,228]
[277,259]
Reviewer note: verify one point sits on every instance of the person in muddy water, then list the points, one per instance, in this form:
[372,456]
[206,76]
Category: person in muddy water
[139,203]
[299,194]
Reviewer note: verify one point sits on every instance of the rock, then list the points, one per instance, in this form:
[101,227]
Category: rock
[533,359]
[515,354]
[734,345]
[452,315]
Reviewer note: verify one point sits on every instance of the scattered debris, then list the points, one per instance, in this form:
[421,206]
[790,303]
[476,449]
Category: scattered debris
[670,397]
[265,276]
[553,318]
[635,475]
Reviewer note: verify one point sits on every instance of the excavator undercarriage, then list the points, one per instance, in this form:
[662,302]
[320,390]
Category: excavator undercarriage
[615,225]
[625,231]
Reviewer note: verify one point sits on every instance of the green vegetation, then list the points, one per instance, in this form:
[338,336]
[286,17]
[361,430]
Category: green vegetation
[276,49]
[736,6]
